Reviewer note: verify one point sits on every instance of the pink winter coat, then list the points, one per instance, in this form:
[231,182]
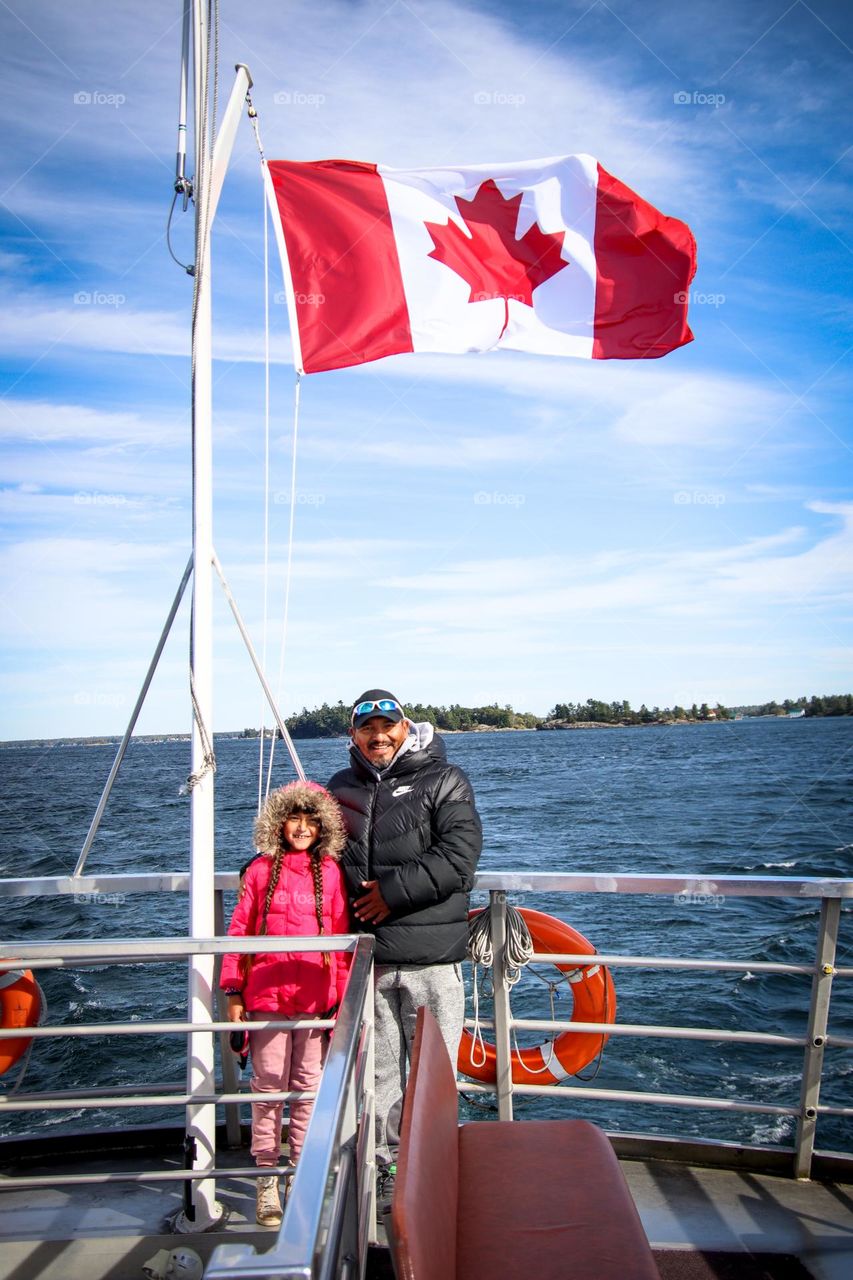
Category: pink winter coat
[290,982]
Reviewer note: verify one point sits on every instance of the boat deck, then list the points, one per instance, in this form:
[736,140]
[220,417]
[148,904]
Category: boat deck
[692,1215]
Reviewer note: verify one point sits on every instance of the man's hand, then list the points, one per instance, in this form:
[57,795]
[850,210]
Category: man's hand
[371,908]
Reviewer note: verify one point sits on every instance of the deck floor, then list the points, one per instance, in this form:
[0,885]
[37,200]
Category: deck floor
[107,1231]
[722,1210]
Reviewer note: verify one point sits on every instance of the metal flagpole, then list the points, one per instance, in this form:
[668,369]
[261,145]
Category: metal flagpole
[201,1208]
[200,1205]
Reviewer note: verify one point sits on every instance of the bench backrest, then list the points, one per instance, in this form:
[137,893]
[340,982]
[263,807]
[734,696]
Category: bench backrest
[423,1215]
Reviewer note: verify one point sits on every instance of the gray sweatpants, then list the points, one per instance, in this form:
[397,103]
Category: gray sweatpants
[399,991]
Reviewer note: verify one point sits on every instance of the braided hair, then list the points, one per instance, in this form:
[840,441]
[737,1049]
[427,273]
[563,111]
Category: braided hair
[317,876]
[271,888]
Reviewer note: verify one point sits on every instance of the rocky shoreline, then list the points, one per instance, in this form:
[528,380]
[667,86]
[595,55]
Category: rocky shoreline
[618,724]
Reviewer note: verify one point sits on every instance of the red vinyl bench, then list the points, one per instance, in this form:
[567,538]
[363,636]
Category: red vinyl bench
[505,1200]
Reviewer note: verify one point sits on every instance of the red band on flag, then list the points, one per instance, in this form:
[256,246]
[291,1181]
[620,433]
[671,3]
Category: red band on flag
[350,303]
[645,262]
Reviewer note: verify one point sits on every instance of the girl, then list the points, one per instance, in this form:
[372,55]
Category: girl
[296,887]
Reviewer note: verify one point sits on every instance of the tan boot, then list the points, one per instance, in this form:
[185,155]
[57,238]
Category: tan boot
[268,1212]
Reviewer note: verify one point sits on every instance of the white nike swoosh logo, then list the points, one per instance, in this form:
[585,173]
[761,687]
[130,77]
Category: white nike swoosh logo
[401,791]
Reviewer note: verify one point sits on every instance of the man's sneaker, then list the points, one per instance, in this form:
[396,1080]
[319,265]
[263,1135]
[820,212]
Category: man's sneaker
[386,1177]
[268,1212]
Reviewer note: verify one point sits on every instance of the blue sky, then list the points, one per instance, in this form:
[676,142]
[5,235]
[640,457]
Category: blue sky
[468,529]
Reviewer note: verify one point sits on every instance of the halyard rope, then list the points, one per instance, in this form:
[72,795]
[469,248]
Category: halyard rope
[253,118]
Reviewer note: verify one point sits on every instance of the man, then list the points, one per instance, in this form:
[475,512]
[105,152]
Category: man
[414,838]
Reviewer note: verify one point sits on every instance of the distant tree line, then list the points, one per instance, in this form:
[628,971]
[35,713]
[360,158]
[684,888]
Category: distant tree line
[622,713]
[333,721]
[827,704]
[833,704]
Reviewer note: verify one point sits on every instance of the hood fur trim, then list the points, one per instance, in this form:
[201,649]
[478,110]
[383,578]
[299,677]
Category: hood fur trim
[301,795]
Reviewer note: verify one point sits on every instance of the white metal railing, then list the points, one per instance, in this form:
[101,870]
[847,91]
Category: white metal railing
[823,969]
[330,1215]
[353,1046]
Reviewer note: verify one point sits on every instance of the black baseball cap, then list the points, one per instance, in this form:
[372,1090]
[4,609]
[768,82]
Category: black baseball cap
[376,702]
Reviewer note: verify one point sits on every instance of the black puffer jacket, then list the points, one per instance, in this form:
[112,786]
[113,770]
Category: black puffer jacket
[414,828]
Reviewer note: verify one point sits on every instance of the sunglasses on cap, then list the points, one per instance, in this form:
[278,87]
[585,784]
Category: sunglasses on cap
[384,704]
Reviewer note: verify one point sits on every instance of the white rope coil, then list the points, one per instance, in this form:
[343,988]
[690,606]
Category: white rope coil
[519,945]
[519,949]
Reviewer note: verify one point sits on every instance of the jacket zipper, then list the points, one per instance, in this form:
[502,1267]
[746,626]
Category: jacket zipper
[370,830]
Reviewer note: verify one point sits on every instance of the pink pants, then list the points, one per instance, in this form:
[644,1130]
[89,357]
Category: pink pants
[283,1060]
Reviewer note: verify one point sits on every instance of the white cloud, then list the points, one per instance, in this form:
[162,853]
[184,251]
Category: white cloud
[98,324]
[45,421]
[748,578]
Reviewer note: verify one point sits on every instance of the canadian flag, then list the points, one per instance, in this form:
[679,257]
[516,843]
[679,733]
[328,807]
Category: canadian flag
[555,257]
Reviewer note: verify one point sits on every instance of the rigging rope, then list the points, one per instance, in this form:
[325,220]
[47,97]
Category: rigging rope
[288,572]
[208,760]
[253,118]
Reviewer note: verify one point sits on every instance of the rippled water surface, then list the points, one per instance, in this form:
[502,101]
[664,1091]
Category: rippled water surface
[769,797]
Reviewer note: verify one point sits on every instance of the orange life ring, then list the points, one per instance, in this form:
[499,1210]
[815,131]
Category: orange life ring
[594,999]
[20,1006]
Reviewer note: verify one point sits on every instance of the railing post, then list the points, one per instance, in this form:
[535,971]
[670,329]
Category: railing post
[230,1078]
[827,941]
[503,1015]
[367,1166]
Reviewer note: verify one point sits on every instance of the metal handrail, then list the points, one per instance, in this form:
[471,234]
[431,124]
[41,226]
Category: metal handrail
[338,1174]
[814,1042]
[60,955]
[332,1198]
[729,886]
[326,1215]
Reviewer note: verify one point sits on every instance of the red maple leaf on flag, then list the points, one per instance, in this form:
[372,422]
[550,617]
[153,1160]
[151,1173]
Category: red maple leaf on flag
[492,260]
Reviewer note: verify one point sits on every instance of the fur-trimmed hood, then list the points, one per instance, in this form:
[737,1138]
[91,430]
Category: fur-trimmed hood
[311,797]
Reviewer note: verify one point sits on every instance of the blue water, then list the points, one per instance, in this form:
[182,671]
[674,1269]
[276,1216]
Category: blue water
[769,797]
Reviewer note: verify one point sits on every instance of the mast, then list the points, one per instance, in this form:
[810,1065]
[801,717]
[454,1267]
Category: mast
[201,1207]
